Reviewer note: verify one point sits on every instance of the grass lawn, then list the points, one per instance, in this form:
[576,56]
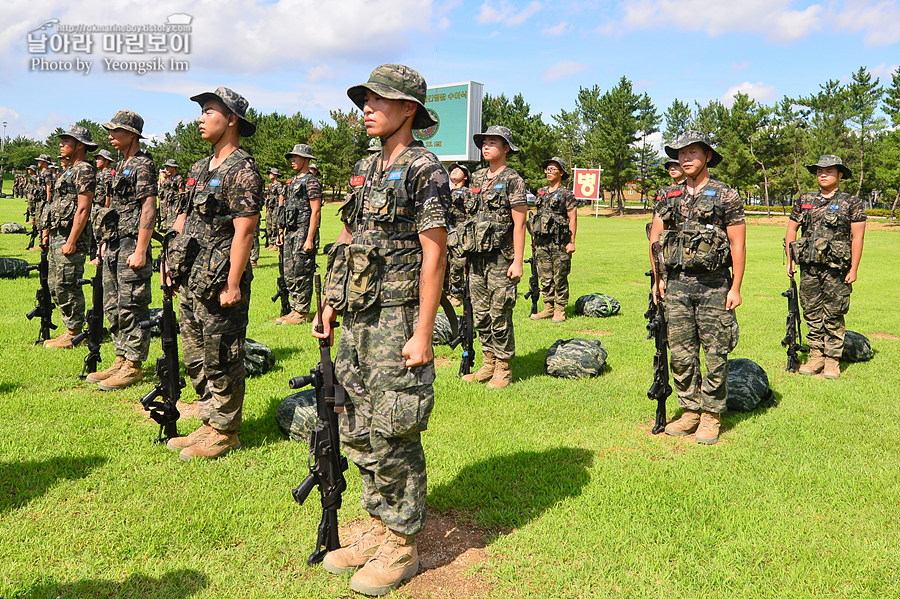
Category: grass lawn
[575,496]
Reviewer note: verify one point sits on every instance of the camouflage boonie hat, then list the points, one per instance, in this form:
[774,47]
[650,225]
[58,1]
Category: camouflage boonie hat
[301,150]
[32,168]
[127,120]
[463,168]
[827,160]
[44,158]
[81,134]
[170,162]
[232,100]
[53,165]
[667,161]
[274,171]
[560,162]
[374,145]
[499,131]
[693,137]
[396,82]
[104,154]
[314,167]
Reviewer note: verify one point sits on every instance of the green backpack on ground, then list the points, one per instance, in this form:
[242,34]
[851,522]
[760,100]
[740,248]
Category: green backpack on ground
[597,305]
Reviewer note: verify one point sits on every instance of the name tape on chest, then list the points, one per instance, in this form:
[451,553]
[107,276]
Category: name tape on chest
[498,186]
[806,206]
[541,192]
[476,190]
[357,180]
[126,172]
[191,181]
[710,192]
[673,193]
[394,176]
[214,183]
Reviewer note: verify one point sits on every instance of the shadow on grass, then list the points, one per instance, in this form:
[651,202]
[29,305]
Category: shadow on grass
[731,420]
[508,491]
[8,386]
[20,482]
[525,366]
[264,429]
[173,585]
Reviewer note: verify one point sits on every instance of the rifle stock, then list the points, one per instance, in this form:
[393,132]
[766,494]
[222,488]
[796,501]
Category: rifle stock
[658,331]
[281,292]
[793,341]
[95,330]
[466,329]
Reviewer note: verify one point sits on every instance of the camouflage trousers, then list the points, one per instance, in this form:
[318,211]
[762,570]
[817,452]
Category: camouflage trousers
[169,215]
[254,251]
[388,406]
[271,223]
[31,207]
[456,271]
[126,299]
[553,266]
[493,299]
[299,269]
[213,341]
[63,275]
[696,315]
[825,298]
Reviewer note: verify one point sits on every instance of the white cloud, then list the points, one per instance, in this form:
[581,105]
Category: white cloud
[563,69]
[877,21]
[506,13]
[556,29]
[884,71]
[761,92]
[740,66]
[321,72]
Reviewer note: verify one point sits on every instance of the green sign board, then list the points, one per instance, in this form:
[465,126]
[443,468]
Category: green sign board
[457,109]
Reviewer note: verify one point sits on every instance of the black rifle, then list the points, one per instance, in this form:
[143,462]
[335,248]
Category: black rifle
[658,331]
[466,329]
[162,401]
[95,330]
[43,300]
[282,291]
[793,340]
[34,235]
[327,465]
[534,285]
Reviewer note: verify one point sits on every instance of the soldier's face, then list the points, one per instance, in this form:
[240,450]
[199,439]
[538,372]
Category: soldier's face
[554,175]
[215,118]
[298,163]
[273,177]
[120,138]
[102,163]
[457,176]
[494,147]
[170,170]
[67,146]
[384,117]
[828,176]
[693,159]
[675,171]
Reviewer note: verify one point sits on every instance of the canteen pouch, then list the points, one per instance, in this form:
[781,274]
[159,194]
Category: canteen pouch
[181,252]
[383,204]
[336,274]
[106,224]
[64,215]
[210,272]
[364,276]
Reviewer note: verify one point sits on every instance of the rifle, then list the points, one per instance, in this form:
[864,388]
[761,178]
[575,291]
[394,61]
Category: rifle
[282,291]
[43,299]
[327,465]
[466,329]
[793,340]
[162,401]
[534,285]
[34,234]
[95,331]
[658,331]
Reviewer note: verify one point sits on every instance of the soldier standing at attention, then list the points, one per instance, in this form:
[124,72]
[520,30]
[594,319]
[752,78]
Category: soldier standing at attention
[125,251]
[493,238]
[456,267]
[220,215]
[701,229]
[553,227]
[69,236]
[827,270]
[42,193]
[390,258]
[273,191]
[300,206]
[173,192]
[30,186]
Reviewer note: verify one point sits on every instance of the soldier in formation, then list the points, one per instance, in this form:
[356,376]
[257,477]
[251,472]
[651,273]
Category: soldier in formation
[43,185]
[31,193]
[456,261]
[273,192]
[171,192]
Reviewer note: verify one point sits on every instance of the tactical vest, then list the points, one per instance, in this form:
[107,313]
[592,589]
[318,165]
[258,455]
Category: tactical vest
[826,240]
[274,190]
[123,202]
[296,211]
[383,262]
[550,221]
[458,199]
[101,191]
[488,226]
[40,186]
[65,202]
[698,241]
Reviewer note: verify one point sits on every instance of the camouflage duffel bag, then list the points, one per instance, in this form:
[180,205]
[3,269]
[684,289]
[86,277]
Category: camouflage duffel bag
[597,305]
[443,334]
[575,358]
[296,415]
[258,358]
[13,268]
[12,228]
[748,386]
[856,348]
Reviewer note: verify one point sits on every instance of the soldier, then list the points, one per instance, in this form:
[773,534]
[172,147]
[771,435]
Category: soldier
[392,252]
[171,193]
[68,239]
[102,159]
[42,193]
[300,207]
[220,213]
[701,229]
[273,191]
[553,226]
[125,250]
[828,252]
[314,169]
[494,253]
[30,193]
[459,190]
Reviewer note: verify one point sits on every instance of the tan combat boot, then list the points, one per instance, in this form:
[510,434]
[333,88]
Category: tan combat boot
[64,341]
[502,375]
[708,431]
[832,369]
[96,377]
[547,312]
[559,314]
[214,445]
[179,443]
[294,318]
[129,374]
[395,561]
[815,364]
[483,374]
[685,425]
[355,555]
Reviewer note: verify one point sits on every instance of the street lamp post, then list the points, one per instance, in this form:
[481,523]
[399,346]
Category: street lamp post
[2,150]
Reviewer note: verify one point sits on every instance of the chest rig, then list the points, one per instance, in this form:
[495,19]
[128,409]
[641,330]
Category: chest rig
[296,212]
[488,224]
[697,240]
[65,201]
[123,203]
[826,237]
[550,221]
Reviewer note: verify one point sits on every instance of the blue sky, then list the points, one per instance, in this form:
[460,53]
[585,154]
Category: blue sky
[301,55]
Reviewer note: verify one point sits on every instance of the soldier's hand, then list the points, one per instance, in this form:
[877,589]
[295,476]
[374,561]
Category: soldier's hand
[417,351]
[851,276]
[137,260]
[68,248]
[327,332]
[279,241]
[660,291]
[514,272]
[733,300]
[229,295]
[790,269]
[308,246]
[570,248]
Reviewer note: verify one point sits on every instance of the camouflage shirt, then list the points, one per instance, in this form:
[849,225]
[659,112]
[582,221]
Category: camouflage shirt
[133,181]
[813,206]
[508,177]
[77,179]
[235,183]
[732,212]
[101,192]
[272,193]
[44,179]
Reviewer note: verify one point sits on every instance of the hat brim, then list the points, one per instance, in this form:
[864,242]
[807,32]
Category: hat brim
[299,155]
[545,163]
[813,169]
[111,126]
[672,152]
[479,140]
[91,146]
[245,127]
[357,94]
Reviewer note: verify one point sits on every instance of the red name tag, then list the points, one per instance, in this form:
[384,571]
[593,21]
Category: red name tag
[476,190]
[674,193]
[288,182]
[112,173]
[357,180]
[541,192]
[805,206]
[191,182]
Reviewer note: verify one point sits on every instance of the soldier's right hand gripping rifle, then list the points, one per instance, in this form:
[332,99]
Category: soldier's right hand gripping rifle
[43,299]
[326,464]
[466,328]
[162,401]
[792,339]
[95,330]
[282,290]
[658,331]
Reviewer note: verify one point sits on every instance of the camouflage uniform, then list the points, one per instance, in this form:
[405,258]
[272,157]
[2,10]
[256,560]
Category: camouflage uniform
[550,231]
[299,266]
[42,198]
[389,404]
[272,192]
[30,195]
[823,253]
[696,294]
[170,199]
[493,293]
[213,336]
[65,271]
[456,262]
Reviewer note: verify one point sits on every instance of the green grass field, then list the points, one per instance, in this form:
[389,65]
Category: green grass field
[578,498]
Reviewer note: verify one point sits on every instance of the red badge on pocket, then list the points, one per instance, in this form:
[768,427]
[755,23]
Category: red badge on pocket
[112,173]
[357,180]
[541,192]
[805,206]
[288,182]
[191,182]
[674,193]
[476,190]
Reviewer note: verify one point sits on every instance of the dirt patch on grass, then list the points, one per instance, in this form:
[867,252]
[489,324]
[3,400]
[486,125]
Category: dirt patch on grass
[593,332]
[884,336]
[442,361]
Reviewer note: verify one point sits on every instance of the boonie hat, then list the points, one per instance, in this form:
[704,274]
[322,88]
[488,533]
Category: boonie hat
[396,82]
[301,150]
[81,134]
[559,161]
[171,162]
[693,137]
[274,171]
[104,154]
[827,160]
[232,100]
[127,120]
[500,131]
